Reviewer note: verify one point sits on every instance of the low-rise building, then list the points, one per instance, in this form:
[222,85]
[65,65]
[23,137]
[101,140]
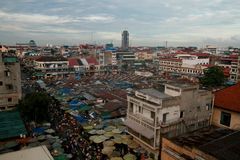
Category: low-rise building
[226,111]
[180,108]
[3,49]
[230,62]
[125,56]
[185,63]
[144,55]
[210,143]
[107,58]
[52,67]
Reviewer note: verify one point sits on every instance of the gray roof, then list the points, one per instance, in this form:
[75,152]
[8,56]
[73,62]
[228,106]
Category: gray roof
[181,85]
[224,148]
[154,93]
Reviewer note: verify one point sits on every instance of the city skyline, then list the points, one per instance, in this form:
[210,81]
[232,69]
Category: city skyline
[150,23]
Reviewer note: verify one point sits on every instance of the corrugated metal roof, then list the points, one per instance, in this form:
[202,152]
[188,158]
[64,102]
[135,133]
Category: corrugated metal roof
[11,125]
[84,61]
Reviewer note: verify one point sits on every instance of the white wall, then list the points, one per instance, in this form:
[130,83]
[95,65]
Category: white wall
[195,61]
[172,92]
[173,113]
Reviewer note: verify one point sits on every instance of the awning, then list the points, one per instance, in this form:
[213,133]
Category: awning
[146,132]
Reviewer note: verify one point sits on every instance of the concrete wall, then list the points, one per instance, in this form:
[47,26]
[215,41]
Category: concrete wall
[171,151]
[10,97]
[235,118]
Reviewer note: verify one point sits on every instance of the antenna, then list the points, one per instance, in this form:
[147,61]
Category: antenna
[91,37]
[166,44]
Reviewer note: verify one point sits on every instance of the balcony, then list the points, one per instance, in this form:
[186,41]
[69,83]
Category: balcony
[142,121]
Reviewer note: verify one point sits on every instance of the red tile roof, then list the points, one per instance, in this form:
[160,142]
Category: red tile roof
[228,98]
[50,59]
[201,54]
[73,62]
[92,61]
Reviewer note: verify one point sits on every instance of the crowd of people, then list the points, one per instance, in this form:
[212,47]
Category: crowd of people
[75,139]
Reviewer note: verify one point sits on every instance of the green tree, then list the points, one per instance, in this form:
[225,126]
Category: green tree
[34,107]
[213,77]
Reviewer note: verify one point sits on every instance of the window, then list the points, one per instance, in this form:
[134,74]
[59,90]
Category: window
[1,83]
[9,99]
[9,86]
[225,119]
[131,108]
[181,114]
[139,109]
[198,108]
[165,117]
[152,115]
[208,106]
[7,73]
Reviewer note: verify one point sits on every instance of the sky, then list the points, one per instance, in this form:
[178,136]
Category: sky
[149,22]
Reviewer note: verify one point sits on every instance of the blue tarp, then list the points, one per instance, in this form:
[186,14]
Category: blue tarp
[74,107]
[64,91]
[38,130]
[76,103]
[81,119]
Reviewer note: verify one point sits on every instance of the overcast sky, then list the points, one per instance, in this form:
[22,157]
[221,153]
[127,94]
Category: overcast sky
[149,22]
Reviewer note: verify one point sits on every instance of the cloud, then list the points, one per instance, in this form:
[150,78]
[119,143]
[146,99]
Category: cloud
[149,22]
[47,19]
[35,18]
[97,18]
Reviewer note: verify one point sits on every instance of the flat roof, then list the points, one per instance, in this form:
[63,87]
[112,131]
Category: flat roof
[221,143]
[181,85]
[154,93]
[35,153]
[11,124]
[224,148]
[201,137]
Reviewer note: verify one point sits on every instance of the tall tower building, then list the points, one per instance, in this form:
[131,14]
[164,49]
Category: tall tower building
[125,40]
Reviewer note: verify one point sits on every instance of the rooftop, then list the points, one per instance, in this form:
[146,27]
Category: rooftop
[36,153]
[181,85]
[230,147]
[11,124]
[201,137]
[154,93]
[228,98]
[50,59]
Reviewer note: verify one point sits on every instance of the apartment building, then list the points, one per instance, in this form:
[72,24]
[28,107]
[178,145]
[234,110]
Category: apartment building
[144,55]
[107,58]
[185,63]
[230,62]
[52,67]
[10,81]
[178,109]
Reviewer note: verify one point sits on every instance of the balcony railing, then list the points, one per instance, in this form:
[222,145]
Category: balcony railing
[142,121]
[150,123]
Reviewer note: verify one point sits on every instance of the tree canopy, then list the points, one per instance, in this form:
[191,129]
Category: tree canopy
[34,107]
[213,77]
